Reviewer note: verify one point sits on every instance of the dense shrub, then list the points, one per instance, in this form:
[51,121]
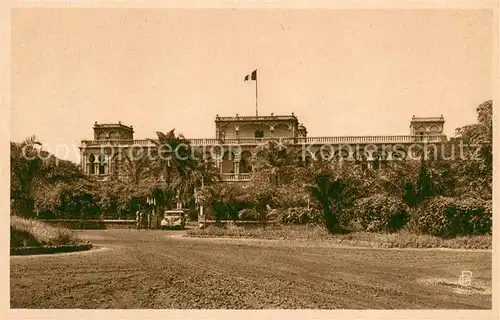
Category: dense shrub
[298,215]
[225,201]
[335,188]
[228,200]
[291,195]
[380,212]
[450,217]
[68,200]
[259,197]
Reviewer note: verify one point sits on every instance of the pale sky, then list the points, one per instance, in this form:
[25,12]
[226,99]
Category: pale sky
[348,72]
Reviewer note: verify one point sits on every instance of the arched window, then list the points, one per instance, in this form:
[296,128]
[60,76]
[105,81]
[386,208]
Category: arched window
[102,163]
[434,129]
[222,135]
[323,155]
[116,163]
[342,154]
[399,154]
[246,162]
[91,164]
[259,133]
[227,162]
[102,136]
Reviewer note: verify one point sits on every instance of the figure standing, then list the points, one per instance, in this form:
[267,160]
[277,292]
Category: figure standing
[141,215]
[138,218]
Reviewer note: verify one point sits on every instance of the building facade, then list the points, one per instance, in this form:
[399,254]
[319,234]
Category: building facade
[239,140]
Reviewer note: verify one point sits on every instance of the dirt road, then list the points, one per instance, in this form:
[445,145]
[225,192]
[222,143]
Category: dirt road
[152,269]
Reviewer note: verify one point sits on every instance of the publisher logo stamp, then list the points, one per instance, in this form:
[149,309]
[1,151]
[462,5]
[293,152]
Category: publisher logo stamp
[465,279]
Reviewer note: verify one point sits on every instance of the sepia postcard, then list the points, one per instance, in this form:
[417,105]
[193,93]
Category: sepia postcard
[196,159]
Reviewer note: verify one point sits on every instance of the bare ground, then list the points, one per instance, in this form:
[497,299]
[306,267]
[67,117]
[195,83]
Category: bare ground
[155,269]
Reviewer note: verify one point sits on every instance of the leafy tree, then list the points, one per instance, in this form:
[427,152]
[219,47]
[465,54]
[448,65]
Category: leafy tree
[475,176]
[45,186]
[77,200]
[481,133]
[66,200]
[47,198]
[55,170]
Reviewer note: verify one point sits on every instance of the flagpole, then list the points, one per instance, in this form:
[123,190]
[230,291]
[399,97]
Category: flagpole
[256,95]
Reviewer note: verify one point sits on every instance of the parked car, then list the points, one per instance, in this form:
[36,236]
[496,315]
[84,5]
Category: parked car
[175,219]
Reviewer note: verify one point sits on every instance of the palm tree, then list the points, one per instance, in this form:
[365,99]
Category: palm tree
[200,174]
[335,186]
[138,170]
[25,170]
[275,162]
[174,156]
[194,182]
[181,166]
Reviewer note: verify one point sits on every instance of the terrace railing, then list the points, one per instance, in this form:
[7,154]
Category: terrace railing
[370,139]
[245,176]
[256,118]
[143,142]
[300,141]
[229,177]
[236,176]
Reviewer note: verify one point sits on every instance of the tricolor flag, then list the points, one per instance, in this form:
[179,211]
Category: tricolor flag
[252,76]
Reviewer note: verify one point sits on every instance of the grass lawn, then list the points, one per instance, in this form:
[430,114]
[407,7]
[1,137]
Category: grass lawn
[33,233]
[401,239]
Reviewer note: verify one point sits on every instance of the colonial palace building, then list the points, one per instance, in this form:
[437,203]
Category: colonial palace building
[237,140]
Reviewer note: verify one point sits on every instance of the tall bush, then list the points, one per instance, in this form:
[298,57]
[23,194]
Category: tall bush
[450,217]
[225,200]
[381,212]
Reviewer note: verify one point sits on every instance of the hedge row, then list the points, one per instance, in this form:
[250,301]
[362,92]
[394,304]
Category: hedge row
[438,216]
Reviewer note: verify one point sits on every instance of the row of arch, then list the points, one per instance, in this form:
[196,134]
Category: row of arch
[101,163]
[424,129]
[254,130]
[268,126]
[244,161]
[318,155]
[112,135]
